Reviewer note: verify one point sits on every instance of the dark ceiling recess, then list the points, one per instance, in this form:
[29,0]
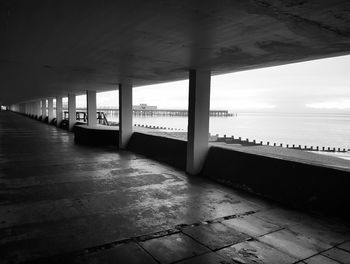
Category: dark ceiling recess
[58,46]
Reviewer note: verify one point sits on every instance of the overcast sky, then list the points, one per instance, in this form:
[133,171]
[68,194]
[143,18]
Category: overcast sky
[320,85]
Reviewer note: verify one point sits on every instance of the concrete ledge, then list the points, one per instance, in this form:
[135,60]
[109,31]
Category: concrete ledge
[306,186]
[167,150]
[98,136]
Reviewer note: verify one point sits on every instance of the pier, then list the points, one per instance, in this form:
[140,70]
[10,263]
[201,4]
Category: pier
[167,112]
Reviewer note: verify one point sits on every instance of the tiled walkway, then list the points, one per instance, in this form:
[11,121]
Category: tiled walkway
[64,203]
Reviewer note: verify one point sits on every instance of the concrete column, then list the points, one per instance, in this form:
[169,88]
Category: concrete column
[125,114]
[43,109]
[38,110]
[91,108]
[198,120]
[59,110]
[50,109]
[72,118]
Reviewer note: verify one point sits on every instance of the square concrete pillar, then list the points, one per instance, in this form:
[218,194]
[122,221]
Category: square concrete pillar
[50,109]
[37,108]
[91,108]
[198,120]
[43,109]
[59,110]
[72,110]
[32,108]
[125,114]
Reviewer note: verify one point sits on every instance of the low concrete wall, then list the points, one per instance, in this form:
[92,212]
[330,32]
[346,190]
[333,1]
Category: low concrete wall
[95,137]
[167,150]
[305,186]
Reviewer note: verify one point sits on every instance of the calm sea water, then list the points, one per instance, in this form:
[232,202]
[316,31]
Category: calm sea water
[328,130]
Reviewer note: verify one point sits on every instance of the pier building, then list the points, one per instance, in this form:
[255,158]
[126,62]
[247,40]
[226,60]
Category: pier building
[151,199]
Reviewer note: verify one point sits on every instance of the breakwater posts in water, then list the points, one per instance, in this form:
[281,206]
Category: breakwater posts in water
[247,142]
[159,127]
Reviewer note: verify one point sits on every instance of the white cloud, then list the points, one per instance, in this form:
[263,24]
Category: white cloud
[253,106]
[339,104]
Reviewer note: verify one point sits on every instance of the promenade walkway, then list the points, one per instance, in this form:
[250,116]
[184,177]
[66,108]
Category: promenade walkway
[65,203]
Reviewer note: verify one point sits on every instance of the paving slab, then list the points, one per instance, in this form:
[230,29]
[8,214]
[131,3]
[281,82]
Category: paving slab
[319,259]
[171,248]
[283,217]
[345,246]
[209,258]
[255,252]
[251,225]
[339,255]
[293,244]
[326,235]
[215,235]
[129,253]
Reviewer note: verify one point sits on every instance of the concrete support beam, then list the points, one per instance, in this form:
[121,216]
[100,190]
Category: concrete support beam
[59,110]
[50,109]
[43,109]
[72,110]
[198,120]
[91,108]
[125,114]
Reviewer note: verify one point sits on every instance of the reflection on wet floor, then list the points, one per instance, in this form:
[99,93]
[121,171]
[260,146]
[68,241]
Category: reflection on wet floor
[62,203]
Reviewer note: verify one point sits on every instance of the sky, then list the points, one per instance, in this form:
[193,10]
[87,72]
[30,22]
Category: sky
[314,86]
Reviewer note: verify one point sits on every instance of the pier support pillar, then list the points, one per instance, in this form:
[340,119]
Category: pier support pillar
[43,109]
[198,120]
[91,108]
[72,116]
[125,114]
[49,110]
[58,110]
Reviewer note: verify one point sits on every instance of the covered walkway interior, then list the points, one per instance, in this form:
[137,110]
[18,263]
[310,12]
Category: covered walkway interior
[62,203]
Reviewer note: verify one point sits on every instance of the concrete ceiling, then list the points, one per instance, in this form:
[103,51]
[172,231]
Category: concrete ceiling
[51,47]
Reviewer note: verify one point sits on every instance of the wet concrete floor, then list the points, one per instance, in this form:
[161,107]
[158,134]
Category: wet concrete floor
[65,203]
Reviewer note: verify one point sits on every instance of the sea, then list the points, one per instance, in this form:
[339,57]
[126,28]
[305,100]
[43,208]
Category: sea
[322,130]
